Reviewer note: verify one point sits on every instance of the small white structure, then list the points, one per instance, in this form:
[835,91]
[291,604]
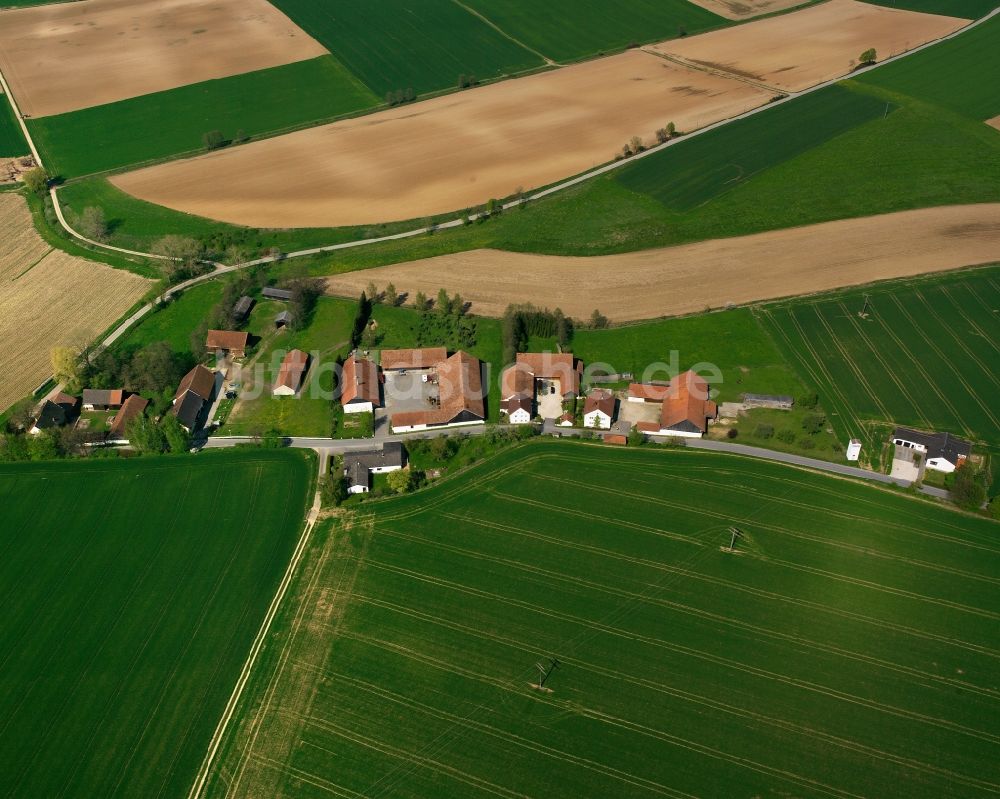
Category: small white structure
[853,449]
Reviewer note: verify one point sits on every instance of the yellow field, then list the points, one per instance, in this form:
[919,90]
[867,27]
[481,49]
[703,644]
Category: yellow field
[49,298]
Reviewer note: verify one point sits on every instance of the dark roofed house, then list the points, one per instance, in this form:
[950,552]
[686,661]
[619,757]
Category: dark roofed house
[232,342]
[102,399]
[67,402]
[50,415]
[284,319]
[273,293]
[132,408]
[359,465]
[518,409]
[242,308]
[942,451]
[187,410]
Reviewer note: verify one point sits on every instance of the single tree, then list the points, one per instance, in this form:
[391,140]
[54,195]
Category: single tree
[598,321]
[458,305]
[145,435]
[391,295]
[92,223]
[868,56]
[213,139]
[968,488]
[671,129]
[462,81]
[399,481]
[36,180]
[241,136]
[443,302]
[178,439]
[178,248]
[410,96]
[65,362]
[43,447]
[389,98]
[420,301]
[635,143]
[373,292]
[661,135]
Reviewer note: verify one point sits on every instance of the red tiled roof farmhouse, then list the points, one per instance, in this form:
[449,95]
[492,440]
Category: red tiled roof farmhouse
[359,381]
[200,380]
[648,392]
[600,399]
[688,403]
[561,366]
[131,409]
[517,381]
[234,341]
[460,391]
[413,359]
[293,367]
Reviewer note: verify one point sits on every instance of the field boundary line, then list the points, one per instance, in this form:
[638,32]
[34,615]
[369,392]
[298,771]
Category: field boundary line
[987,371]
[201,778]
[502,32]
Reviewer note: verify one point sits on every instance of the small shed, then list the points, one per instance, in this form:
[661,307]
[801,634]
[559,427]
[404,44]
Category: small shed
[273,293]
[242,308]
[284,319]
[780,401]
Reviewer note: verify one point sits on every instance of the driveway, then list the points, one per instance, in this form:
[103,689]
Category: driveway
[549,405]
[903,467]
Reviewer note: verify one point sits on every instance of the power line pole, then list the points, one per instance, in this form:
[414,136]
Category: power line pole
[735,533]
[864,310]
[544,673]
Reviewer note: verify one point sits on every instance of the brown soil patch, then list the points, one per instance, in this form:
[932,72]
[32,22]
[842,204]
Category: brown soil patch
[691,277]
[68,56]
[49,298]
[994,123]
[746,9]
[795,51]
[447,153]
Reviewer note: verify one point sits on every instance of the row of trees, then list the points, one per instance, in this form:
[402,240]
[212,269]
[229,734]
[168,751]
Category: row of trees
[399,97]
[522,322]
[214,139]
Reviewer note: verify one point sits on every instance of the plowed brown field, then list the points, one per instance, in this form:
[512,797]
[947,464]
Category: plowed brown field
[795,51]
[689,278]
[67,56]
[49,298]
[447,153]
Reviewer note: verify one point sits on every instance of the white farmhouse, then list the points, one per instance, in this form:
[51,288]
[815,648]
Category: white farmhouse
[599,409]
[942,451]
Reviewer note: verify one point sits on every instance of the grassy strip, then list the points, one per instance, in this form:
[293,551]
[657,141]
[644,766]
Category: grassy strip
[11,138]
[565,30]
[151,614]
[390,45]
[170,123]
[961,74]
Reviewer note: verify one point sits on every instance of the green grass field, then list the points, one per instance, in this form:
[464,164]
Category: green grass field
[564,30]
[169,123]
[848,649]
[961,74]
[394,44]
[11,138]
[684,177]
[132,592]
[925,355]
[174,322]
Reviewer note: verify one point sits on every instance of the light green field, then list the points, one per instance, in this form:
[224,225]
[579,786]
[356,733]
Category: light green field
[925,354]
[132,590]
[847,650]
[11,138]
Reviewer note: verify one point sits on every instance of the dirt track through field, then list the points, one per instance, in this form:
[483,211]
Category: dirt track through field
[68,56]
[447,153]
[49,298]
[795,51]
[691,277]
[737,9]
[994,123]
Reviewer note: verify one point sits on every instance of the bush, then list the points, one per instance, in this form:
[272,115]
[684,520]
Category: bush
[995,508]
[812,423]
[808,401]
[786,436]
[764,431]
[807,443]
[213,139]
[968,487]
[732,432]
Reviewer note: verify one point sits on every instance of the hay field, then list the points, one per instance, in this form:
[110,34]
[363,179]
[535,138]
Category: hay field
[849,651]
[132,592]
[738,9]
[448,153]
[49,298]
[795,51]
[69,56]
[676,280]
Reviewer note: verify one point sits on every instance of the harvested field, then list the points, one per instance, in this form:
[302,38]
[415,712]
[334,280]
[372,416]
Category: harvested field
[795,51]
[737,9]
[49,298]
[447,153]
[686,279]
[69,56]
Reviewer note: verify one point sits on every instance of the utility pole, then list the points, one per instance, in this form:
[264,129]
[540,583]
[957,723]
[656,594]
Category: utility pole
[735,533]
[864,311]
[545,672]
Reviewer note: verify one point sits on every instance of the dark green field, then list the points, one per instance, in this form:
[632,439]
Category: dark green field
[684,177]
[961,74]
[966,9]
[395,44]
[564,30]
[132,592]
[925,355]
[848,650]
[11,139]
[170,123]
